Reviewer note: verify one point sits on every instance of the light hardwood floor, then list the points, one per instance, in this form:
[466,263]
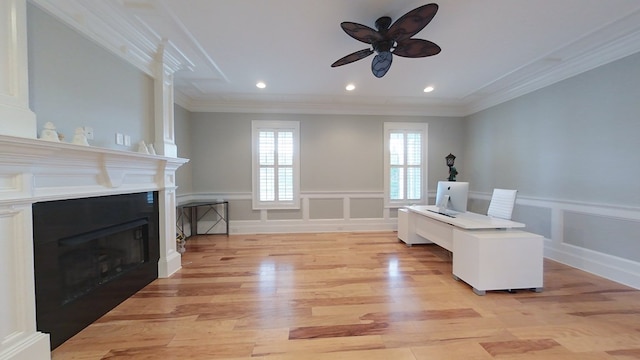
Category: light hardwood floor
[355,296]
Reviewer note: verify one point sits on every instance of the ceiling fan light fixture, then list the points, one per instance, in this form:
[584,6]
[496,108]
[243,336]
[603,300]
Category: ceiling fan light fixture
[391,39]
[428,89]
[261,85]
[350,87]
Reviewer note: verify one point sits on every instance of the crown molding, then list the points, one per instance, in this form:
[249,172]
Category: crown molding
[105,23]
[91,23]
[328,105]
[111,25]
[602,46]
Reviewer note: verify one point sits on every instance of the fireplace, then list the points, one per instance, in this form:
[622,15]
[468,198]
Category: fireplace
[35,177]
[91,254]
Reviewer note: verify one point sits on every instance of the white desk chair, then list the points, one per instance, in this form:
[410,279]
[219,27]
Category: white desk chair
[502,202]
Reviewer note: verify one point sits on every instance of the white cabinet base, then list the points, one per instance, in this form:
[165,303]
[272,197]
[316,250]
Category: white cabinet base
[498,259]
[411,228]
[403,224]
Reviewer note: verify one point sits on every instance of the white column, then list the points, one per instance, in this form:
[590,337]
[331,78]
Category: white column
[163,100]
[170,259]
[18,336]
[19,339]
[16,119]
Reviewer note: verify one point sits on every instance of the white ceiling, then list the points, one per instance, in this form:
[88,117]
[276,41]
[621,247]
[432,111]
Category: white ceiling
[492,50]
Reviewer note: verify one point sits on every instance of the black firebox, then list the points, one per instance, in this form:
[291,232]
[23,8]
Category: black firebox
[91,254]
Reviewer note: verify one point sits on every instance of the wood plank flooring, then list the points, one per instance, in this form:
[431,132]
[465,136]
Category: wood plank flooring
[355,296]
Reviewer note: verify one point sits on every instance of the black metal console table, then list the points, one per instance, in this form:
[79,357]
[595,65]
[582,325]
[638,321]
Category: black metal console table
[195,211]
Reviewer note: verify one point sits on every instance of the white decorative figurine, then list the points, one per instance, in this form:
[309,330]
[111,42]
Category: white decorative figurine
[151,149]
[142,148]
[80,138]
[49,133]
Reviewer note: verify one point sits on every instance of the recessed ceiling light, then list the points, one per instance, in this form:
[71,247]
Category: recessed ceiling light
[428,89]
[350,87]
[261,85]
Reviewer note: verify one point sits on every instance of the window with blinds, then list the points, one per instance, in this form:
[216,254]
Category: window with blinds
[405,163]
[276,164]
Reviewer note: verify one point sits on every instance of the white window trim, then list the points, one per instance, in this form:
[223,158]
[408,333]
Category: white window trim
[396,126]
[256,126]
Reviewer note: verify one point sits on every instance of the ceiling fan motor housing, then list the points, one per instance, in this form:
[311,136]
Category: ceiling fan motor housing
[383,45]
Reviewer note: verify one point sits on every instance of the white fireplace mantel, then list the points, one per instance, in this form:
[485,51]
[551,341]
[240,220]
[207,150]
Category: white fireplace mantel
[33,170]
[37,170]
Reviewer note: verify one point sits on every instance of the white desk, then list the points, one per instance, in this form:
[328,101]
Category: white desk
[426,226]
[488,253]
[465,220]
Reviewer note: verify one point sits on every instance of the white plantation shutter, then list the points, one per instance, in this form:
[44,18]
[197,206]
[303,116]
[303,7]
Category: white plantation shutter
[414,142]
[276,164]
[405,163]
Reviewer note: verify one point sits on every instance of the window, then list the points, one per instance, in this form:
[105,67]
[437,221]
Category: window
[405,163]
[276,164]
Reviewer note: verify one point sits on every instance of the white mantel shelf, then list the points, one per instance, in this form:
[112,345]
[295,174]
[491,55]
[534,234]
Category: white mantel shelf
[34,170]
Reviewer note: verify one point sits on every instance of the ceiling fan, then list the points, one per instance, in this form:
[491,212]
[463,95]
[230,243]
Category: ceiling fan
[391,40]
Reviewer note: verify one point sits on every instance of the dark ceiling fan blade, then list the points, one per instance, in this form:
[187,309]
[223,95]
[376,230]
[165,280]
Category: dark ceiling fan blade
[352,57]
[394,39]
[415,48]
[361,32]
[412,22]
[381,63]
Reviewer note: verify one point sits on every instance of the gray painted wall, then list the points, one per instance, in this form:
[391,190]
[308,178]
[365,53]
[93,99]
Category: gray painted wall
[576,140]
[338,152]
[73,82]
[182,127]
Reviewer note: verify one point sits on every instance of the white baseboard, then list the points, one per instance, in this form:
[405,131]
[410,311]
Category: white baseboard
[32,347]
[301,226]
[620,270]
[169,264]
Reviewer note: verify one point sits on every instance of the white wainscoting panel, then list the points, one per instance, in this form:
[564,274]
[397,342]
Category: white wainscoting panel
[338,221]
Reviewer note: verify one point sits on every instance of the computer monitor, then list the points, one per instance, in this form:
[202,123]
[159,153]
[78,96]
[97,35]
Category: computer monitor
[452,196]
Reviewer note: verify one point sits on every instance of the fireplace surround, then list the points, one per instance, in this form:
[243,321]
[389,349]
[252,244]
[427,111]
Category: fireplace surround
[35,172]
[90,254]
